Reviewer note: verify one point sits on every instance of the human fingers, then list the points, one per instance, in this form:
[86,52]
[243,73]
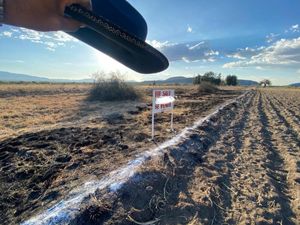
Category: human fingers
[68,24]
[65,3]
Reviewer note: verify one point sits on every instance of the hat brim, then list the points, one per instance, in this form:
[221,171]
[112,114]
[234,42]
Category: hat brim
[116,42]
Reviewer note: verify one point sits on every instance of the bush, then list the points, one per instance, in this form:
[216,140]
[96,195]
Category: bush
[207,88]
[113,88]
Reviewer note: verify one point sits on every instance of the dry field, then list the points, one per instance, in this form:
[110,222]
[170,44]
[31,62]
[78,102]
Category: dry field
[240,167]
[52,140]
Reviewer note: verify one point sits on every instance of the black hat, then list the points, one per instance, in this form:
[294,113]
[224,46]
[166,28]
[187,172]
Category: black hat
[117,29]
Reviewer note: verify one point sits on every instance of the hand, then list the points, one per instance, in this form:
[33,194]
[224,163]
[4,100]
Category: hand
[41,15]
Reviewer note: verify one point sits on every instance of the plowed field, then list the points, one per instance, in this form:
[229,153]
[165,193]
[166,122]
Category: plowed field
[241,165]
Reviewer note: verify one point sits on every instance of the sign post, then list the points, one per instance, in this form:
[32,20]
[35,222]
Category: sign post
[162,101]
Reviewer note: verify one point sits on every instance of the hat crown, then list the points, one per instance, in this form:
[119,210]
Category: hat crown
[122,14]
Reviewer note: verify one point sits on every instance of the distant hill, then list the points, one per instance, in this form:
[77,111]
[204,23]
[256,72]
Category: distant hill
[247,83]
[180,79]
[15,77]
[295,85]
[189,80]
[171,80]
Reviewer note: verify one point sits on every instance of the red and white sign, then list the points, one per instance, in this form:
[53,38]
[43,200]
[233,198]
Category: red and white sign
[162,101]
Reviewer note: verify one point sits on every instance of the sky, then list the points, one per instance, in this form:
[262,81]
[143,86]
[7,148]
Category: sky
[252,39]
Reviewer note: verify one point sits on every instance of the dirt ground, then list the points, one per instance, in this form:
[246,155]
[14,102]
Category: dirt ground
[53,140]
[240,167]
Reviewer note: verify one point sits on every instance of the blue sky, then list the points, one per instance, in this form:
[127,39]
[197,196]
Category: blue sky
[252,39]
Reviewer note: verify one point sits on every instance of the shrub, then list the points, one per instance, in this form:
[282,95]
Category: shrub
[207,88]
[113,88]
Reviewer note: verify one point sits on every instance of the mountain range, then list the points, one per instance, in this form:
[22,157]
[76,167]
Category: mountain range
[189,80]
[14,77]
[295,85]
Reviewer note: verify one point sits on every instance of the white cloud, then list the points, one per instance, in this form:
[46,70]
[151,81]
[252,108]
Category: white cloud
[51,49]
[63,37]
[50,40]
[285,52]
[259,68]
[196,46]
[295,28]
[211,53]
[189,29]
[236,56]
[51,46]
[160,45]
[272,37]
[31,35]
[7,34]
[15,30]
[244,53]
[210,59]
[185,59]
[191,52]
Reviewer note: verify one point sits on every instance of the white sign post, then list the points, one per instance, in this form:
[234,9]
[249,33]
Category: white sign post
[162,101]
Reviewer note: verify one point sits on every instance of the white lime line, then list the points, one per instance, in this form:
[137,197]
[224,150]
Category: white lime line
[65,210]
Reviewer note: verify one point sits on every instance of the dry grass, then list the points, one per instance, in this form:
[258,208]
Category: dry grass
[11,89]
[112,89]
[27,105]
[42,106]
[207,88]
[23,113]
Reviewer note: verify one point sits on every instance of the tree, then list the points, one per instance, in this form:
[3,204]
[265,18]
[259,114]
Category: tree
[209,77]
[197,79]
[265,83]
[231,80]
[218,80]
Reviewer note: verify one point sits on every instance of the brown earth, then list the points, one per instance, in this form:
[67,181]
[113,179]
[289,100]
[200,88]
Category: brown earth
[241,167]
[52,142]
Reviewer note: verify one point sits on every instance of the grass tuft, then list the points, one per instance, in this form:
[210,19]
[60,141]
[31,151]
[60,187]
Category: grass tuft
[113,88]
[207,88]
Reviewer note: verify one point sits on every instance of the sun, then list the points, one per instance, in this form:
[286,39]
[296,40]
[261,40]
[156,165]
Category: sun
[107,64]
